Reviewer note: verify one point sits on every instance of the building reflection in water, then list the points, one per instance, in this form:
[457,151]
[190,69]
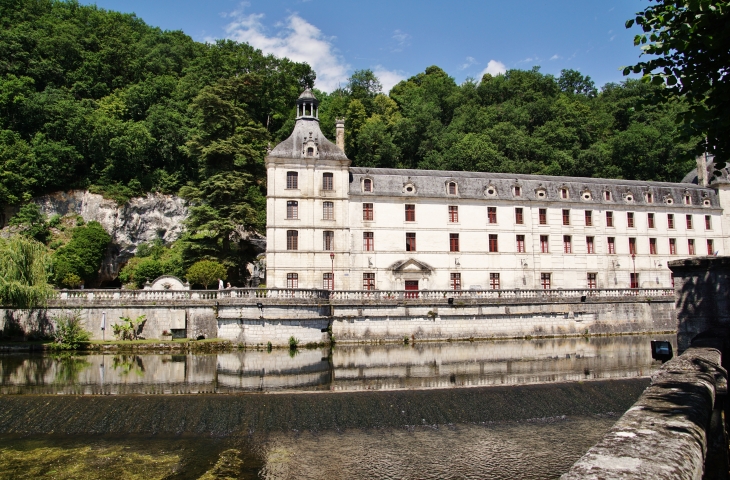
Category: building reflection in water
[344,368]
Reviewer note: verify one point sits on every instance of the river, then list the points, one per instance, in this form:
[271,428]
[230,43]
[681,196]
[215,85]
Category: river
[506,409]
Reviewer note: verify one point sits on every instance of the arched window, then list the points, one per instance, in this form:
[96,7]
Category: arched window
[367,185]
[452,188]
[310,151]
[564,193]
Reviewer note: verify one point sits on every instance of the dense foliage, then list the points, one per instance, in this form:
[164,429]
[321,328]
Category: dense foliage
[689,48]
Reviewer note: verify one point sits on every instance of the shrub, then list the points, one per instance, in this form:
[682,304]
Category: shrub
[293,343]
[129,329]
[206,272]
[71,280]
[82,255]
[69,334]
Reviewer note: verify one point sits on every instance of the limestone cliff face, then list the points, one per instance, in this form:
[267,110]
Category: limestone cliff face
[140,220]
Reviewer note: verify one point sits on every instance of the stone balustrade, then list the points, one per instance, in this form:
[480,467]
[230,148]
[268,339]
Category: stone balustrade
[253,295]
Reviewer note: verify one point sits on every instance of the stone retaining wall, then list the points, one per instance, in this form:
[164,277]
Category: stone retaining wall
[309,318]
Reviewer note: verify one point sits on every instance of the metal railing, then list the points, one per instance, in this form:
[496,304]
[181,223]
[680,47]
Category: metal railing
[353,295]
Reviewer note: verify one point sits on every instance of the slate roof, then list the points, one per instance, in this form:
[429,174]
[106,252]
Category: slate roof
[499,186]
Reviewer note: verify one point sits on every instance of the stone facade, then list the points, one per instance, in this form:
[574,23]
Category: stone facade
[332,225]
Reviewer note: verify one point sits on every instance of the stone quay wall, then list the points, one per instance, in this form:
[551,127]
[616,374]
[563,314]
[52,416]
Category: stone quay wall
[259,316]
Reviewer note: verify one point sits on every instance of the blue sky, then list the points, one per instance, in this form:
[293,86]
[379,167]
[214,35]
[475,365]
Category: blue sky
[399,38]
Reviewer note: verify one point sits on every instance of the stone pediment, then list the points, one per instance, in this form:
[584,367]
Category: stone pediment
[411,266]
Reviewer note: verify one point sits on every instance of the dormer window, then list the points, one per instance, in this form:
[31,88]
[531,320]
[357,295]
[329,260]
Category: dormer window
[564,193]
[452,188]
[310,151]
[367,185]
[607,196]
[649,198]
[688,199]
[517,190]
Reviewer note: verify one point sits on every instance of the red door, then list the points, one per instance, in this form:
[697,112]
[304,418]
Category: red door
[411,288]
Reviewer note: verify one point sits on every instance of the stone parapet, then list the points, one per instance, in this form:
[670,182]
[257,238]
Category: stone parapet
[665,433]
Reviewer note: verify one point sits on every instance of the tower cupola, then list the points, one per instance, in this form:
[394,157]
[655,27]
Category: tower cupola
[307,106]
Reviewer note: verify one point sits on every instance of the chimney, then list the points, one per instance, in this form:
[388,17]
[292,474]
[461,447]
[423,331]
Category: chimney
[340,136]
[701,170]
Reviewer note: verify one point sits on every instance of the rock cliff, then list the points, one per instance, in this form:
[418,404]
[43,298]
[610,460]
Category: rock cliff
[140,220]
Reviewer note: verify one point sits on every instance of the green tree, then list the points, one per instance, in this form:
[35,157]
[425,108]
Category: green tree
[25,267]
[33,222]
[229,199]
[206,273]
[690,42]
[82,255]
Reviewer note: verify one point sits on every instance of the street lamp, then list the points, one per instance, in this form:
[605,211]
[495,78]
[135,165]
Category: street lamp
[332,257]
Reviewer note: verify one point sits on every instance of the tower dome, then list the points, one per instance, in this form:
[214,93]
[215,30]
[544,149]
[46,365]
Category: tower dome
[307,140]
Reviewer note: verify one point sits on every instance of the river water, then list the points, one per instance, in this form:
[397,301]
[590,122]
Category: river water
[507,409]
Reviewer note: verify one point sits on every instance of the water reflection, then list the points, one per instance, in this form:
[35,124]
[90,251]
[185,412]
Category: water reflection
[345,368]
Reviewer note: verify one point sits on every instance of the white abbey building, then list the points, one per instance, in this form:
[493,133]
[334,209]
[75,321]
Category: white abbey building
[390,229]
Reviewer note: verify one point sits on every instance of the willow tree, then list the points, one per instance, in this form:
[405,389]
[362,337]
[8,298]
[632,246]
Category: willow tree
[25,266]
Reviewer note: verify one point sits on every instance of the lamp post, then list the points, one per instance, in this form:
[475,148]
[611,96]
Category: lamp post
[634,284]
[332,257]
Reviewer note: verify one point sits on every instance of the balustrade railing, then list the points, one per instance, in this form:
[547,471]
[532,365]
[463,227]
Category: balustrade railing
[352,295]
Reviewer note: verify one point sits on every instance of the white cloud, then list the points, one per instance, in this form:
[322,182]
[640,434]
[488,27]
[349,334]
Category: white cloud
[295,39]
[556,57]
[469,62]
[388,78]
[494,67]
[402,40]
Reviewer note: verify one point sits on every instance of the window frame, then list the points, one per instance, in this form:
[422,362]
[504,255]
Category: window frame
[611,245]
[455,281]
[292,280]
[491,215]
[519,216]
[520,243]
[453,214]
[368,241]
[493,240]
[368,213]
[292,240]
[292,210]
[494,281]
[292,180]
[453,242]
[410,212]
[609,219]
[567,244]
[544,243]
[410,241]
[328,180]
[328,210]
[542,216]
[566,217]
[590,245]
[368,281]
[328,240]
